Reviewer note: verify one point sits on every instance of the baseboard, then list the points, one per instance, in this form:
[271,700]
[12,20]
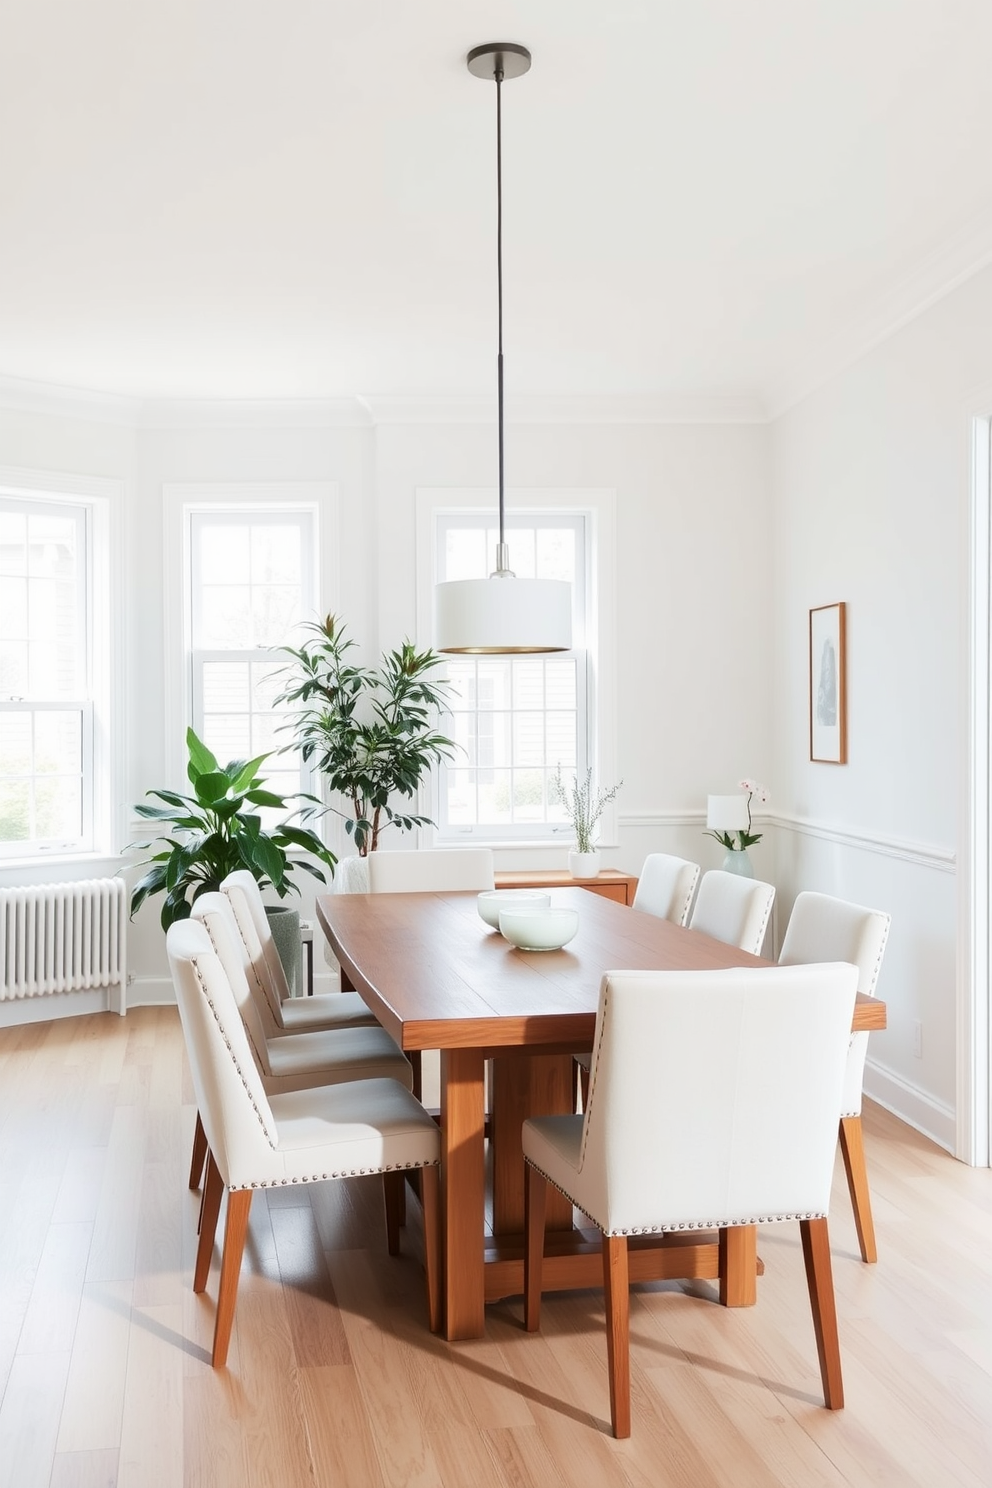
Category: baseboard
[150,992]
[912,1105]
[15,1011]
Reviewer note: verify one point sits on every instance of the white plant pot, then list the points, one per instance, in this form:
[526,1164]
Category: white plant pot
[583,865]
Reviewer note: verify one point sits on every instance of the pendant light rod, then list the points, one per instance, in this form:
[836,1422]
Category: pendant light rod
[499,60]
[502,556]
[501,615]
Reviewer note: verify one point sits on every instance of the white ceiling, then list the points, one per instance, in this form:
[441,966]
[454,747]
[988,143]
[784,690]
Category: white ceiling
[296,198]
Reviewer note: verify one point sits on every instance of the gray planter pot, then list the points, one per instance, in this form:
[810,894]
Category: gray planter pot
[284,923]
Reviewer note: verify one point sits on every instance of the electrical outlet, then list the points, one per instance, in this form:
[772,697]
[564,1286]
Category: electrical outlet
[918,1040]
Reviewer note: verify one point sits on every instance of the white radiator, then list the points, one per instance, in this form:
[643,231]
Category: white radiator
[67,937]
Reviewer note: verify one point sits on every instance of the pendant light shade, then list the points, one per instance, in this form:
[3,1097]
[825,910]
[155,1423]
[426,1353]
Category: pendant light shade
[501,614]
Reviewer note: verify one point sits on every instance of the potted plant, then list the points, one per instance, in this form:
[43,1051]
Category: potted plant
[583,807]
[369,730]
[218,829]
[728,819]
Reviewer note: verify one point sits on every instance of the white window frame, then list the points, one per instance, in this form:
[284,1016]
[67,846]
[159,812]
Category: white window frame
[306,520]
[317,500]
[597,508]
[99,504]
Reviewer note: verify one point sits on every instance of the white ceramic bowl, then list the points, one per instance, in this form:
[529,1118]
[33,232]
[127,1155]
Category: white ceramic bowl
[493,900]
[538,929]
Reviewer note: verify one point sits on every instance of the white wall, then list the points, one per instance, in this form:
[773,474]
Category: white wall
[870,488]
[694,582]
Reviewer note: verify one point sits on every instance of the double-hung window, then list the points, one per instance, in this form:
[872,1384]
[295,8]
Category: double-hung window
[46,676]
[517,719]
[250,585]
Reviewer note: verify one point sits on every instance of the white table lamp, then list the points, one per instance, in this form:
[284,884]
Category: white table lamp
[726,813]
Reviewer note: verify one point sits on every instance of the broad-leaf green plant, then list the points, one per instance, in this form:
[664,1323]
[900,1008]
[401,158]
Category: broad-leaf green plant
[218,829]
[369,730]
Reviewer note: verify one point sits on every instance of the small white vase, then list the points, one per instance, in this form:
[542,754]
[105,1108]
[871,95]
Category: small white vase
[738,862]
[583,864]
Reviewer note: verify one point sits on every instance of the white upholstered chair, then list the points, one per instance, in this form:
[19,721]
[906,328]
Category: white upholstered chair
[302,1136]
[280,1012]
[684,1131]
[293,1061]
[666,886]
[733,909]
[431,870]
[820,927]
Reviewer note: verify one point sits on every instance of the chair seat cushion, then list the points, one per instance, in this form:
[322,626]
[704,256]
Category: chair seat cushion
[343,1054]
[325,1010]
[554,1145]
[336,1131]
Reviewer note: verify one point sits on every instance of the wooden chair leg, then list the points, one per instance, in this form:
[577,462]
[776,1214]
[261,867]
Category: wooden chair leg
[739,1266]
[819,1278]
[430,1200]
[199,1154]
[583,1085]
[852,1147]
[213,1187]
[392,1188]
[416,1060]
[535,1205]
[617,1284]
[238,1205]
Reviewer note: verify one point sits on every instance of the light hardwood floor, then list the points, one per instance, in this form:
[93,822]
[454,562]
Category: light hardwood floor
[333,1377]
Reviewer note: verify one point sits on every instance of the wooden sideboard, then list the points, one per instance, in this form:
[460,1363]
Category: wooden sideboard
[611,883]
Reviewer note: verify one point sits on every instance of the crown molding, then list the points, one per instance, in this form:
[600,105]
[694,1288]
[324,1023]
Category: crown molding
[20,396]
[254,413]
[934,277]
[551,409]
[365,411]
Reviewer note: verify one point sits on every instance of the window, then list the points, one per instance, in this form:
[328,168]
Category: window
[46,675]
[250,586]
[516,719]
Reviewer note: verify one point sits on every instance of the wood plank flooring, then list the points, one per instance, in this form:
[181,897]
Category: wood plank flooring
[333,1378]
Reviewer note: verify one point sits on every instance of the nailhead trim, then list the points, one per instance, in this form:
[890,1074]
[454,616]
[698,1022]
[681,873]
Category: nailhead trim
[338,1173]
[685,1225]
[262,1064]
[209,1001]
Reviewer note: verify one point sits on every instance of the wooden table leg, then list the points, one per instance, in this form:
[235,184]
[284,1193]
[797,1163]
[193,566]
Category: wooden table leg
[463,1192]
[525,1085]
[739,1266]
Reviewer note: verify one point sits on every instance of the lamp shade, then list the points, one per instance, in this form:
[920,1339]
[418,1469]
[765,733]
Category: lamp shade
[726,813]
[502,614]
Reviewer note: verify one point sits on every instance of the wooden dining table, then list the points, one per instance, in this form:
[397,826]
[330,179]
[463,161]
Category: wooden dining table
[437,977]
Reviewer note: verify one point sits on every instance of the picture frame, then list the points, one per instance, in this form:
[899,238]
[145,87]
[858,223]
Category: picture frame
[828,684]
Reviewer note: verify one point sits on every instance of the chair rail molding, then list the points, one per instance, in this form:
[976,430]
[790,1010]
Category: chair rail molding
[923,854]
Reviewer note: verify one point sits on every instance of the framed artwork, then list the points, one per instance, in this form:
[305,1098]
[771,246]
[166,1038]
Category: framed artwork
[828,685]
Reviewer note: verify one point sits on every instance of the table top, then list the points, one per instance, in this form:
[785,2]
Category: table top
[437,977]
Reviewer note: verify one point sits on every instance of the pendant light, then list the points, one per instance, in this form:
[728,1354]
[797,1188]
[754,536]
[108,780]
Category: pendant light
[501,614]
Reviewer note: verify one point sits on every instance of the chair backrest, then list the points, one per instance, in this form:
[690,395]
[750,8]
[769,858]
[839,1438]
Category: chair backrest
[245,898]
[214,912]
[431,871]
[715,1096]
[822,926]
[733,909]
[236,1115]
[666,886]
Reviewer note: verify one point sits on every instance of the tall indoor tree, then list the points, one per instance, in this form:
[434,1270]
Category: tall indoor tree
[369,730]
